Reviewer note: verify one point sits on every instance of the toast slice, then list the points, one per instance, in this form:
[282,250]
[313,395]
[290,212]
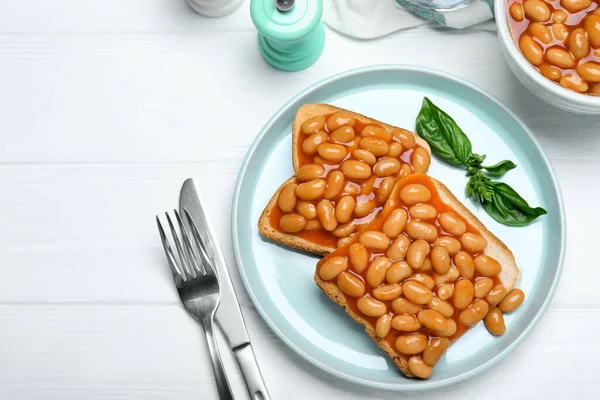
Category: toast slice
[316,242]
[495,248]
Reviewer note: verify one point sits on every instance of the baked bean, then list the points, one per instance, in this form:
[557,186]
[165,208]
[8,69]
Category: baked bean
[335,184]
[385,188]
[344,208]
[473,242]
[377,270]
[342,134]
[366,187]
[387,292]
[426,265]
[574,83]
[374,240]
[398,272]
[287,198]
[313,225]
[592,26]
[451,244]
[411,344]
[449,276]
[579,45]
[415,193]
[574,6]
[364,206]
[332,152]
[537,10]
[482,287]
[441,306]
[417,252]
[340,119]
[351,284]
[377,132]
[311,144]
[407,139]
[398,249]
[541,32]
[445,291]
[421,230]
[356,169]
[371,307]
[376,146]
[394,223]
[560,32]
[311,190]
[292,223]
[326,214]
[420,160]
[395,149]
[550,72]
[532,51]
[435,349]
[319,160]
[474,313]
[405,171]
[463,293]
[487,266]
[452,223]
[516,11]
[450,329]
[590,71]
[559,16]
[511,301]
[419,368]
[494,322]
[344,230]
[306,209]
[401,305]
[432,319]
[386,167]
[332,267]
[440,259]
[596,11]
[596,89]
[344,240]
[313,125]
[416,292]
[423,211]
[359,257]
[383,325]
[496,295]
[365,156]
[426,280]
[309,172]
[560,57]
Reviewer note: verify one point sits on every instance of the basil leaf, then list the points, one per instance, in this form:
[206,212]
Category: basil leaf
[501,168]
[444,136]
[508,207]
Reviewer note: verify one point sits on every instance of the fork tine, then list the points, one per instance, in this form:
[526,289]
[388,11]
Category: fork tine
[206,260]
[178,277]
[188,246]
[182,256]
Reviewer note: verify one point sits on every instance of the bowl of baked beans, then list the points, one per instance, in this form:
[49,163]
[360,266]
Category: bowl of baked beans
[553,47]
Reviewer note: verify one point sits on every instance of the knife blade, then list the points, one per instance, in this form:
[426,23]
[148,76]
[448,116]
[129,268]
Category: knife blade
[229,315]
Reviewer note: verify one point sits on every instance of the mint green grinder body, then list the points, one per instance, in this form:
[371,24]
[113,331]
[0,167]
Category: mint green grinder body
[291,40]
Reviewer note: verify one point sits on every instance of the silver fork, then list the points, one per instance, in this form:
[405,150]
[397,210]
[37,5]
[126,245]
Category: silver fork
[198,286]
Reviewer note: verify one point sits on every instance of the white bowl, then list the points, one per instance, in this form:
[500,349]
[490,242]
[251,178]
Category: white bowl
[544,88]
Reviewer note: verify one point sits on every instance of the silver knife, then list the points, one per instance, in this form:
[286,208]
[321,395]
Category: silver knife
[229,316]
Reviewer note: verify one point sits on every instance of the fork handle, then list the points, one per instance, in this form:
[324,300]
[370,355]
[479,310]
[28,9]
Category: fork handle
[254,381]
[217,364]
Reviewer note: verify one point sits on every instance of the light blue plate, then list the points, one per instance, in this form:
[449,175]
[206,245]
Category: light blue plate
[280,280]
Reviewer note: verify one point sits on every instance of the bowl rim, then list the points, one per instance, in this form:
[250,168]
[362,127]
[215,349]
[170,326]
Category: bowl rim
[524,65]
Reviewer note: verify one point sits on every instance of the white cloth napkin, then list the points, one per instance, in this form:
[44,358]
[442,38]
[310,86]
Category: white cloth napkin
[369,19]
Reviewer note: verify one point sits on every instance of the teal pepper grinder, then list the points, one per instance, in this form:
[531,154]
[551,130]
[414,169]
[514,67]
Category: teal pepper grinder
[291,35]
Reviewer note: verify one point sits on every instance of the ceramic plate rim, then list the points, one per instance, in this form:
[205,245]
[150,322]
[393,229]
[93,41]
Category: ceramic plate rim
[424,385]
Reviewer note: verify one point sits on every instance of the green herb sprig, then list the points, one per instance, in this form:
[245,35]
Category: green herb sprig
[450,143]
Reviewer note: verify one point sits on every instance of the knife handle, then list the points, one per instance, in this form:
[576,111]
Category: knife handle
[254,381]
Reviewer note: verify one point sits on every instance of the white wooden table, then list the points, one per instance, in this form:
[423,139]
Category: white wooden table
[107,106]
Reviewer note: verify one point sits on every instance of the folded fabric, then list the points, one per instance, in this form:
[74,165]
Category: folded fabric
[369,19]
